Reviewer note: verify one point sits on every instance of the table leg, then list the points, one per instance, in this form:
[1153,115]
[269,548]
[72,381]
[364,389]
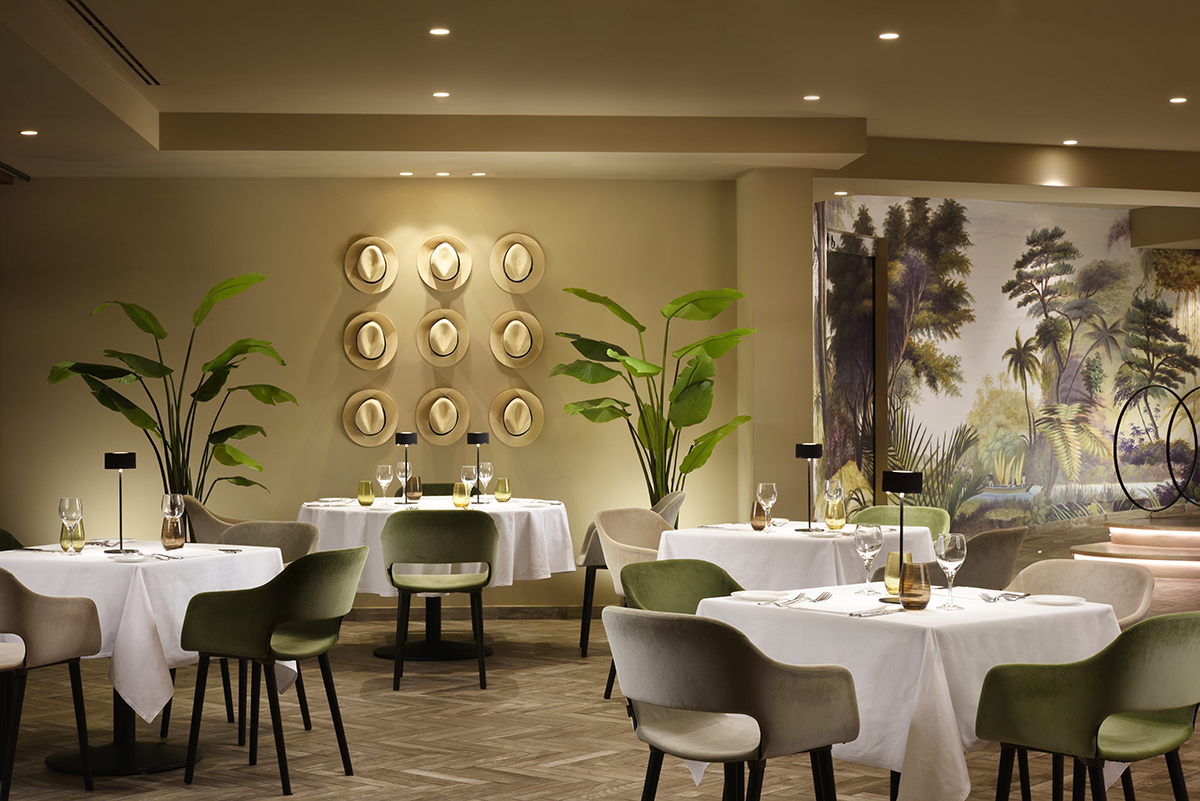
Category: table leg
[433,648]
[125,755]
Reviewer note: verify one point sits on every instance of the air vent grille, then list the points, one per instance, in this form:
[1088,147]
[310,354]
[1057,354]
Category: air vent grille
[102,32]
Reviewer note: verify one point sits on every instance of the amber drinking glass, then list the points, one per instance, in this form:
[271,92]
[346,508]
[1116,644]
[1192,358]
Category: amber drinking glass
[503,492]
[366,492]
[891,573]
[462,494]
[414,488]
[758,517]
[914,585]
[172,530]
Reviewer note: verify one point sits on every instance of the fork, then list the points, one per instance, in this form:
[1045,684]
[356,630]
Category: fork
[784,601]
[825,596]
[1001,596]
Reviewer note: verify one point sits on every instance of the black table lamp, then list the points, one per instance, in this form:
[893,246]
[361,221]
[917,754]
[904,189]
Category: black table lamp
[120,461]
[901,482]
[809,451]
[478,438]
[406,438]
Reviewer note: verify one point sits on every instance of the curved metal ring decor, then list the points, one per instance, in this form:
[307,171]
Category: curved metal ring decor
[1179,488]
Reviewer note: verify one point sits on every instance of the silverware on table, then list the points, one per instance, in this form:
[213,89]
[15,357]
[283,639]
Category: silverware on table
[877,612]
[1002,596]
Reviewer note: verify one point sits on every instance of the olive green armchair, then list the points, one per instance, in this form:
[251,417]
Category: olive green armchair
[931,517]
[8,542]
[296,615]
[699,689]
[1134,700]
[674,585]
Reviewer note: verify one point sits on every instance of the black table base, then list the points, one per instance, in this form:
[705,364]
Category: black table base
[125,755]
[433,648]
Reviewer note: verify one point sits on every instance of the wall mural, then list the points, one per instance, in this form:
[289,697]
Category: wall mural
[1016,335]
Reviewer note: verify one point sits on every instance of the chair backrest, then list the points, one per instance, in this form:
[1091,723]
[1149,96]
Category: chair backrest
[53,628]
[991,558]
[931,517]
[437,488]
[668,506]
[8,542]
[439,536]
[591,554]
[1126,587]
[696,663]
[206,526]
[293,539]
[674,585]
[628,534]
[319,585]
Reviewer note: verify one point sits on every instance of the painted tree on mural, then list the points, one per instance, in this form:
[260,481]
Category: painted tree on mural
[1156,353]
[1023,363]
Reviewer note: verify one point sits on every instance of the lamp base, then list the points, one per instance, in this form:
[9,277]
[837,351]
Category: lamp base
[123,551]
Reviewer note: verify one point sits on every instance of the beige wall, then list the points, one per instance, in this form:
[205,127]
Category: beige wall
[67,244]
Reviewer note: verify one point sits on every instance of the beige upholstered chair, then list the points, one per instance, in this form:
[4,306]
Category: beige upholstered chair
[990,563]
[1127,588]
[206,526]
[699,689]
[591,557]
[53,630]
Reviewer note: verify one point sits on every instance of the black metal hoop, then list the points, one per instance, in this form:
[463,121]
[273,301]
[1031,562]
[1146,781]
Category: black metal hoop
[1170,470]
[1195,446]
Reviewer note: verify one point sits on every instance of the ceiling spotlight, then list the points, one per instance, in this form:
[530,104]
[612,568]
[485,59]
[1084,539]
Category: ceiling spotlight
[28,133]
[439,31]
[441,174]
[406,173]
[889,36]
[478,174]
[812,97]
[1070,142]
[1178,99]
[841,194]
[441,94]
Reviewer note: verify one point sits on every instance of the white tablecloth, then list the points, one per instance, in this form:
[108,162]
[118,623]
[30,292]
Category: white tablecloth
[535,539]
[141,605]
[783,558]
[918,674]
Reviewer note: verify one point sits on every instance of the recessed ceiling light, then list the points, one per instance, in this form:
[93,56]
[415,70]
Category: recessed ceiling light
[406,173]
[439,31]
[812,97]
[442,174]
[1178,99]
[28,133]
[478,174]
[1070,142]
[1053,182]
[889,36]
[441,94]
[841,194]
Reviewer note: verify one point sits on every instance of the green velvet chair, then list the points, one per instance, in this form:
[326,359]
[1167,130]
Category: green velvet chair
[931,517]
[296,615]
[699,689]
[438,537]
[433,490]
[674,585]
[1134,700]
[8,542]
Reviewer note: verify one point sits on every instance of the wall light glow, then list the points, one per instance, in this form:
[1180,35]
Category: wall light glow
[441,94]
[841,194]
[29,133]
[439,31]
[478,174]
[406,173]
[812,97]
[1070,142]
[1178,99]
[889,36]
[441,174]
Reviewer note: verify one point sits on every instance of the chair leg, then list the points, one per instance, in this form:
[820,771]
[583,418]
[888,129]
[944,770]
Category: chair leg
[729,787]
[477,625]
[15,683]
[276,723]
[1079,781]
[814,759]
[589,592]
[1096,779]
[1127,785]
[197,712]
[741,781]
[255,697]
[1056,781]
[302,698]
[165,723]
[1023,772]
[653,769]
[894,785]
[827,774]
[243,683]
[335,712]
[85,752]
[402,610]
[1004,777]
[226,685]
[1175,769]
[754,788]
[612,677]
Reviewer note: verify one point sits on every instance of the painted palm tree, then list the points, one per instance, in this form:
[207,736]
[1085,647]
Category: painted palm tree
[1103,336]
[1023,364]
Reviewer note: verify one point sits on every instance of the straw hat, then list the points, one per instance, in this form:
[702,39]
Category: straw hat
[369,417]
[443,416]
[516,339]
[517,263]
[517,417]
[371,265]
[370,340]
[443,337]
[444,262]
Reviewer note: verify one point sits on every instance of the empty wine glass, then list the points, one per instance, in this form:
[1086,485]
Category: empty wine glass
[766,496]
[868,541]
[835,507]
[383,474]
[403,471]
[485,478]
[70,511]
[950,550]
[172,505]
[469,477]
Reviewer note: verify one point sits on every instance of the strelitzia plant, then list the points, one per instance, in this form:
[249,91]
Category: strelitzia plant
[660,410]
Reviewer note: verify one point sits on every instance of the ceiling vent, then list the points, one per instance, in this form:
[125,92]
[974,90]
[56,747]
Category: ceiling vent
[101,32]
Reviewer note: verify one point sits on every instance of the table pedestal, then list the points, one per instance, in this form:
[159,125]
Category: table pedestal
[125,755]
[433,648]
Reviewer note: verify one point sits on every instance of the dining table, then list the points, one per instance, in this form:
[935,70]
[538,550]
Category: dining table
[785,557]
[918,674]
[141,600]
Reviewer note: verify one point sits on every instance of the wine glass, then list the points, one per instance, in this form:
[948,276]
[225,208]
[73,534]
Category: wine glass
[403,471]
[383,474]
[950,550]
[835,507]
[485,478]
[868,541]
[70,511]
[469,477]
[766,496]
[172,509]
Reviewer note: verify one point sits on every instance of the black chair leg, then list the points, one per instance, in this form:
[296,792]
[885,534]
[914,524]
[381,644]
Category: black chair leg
[197,713]
[589,592]
[741,781]
[242,685]
[335,712]
[612,677]
[827,774]
[894,788]
[653,769]
[1175,769]
[165,723]
[85,753]
[1023,772]
[1079,782]
[477,625]
[1004,777]
[402,610]
[1127,785]
[729,787]
[754,787]
[255,697]
[225,684]
[1096,779]
[1056,786]
[302,697]
[276,723]
[814,759]
[16,699]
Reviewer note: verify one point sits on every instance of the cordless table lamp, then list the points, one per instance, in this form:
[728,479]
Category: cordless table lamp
[406,438]
[120,461]
[901,482]
[809,451]
[478,438]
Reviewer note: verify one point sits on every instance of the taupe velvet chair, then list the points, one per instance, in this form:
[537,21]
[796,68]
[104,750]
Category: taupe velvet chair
[699,689]
[931,517]
[1134,700]
[206,526]
[53,630]
[1127,588]
[591,558]
[991,560]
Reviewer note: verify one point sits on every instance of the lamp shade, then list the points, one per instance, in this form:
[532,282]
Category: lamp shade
[906,481]
[406,437]
[121,460]
[808,450]
[478,438]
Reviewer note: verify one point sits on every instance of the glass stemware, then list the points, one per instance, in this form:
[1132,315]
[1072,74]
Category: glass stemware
[403,471]
[383,474]
[835,507]
[868,541]
[172,532]
[767,496]
[485,478]
[469,477]
[70,511]
[951,551]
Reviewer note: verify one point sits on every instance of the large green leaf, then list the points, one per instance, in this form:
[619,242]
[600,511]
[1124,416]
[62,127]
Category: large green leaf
[587,372]
[701,306]
[230,456]
[717,345]
[699,368]
[114,400]
[692,406]
[704,444]
[241,348]
[609,304]
[211,386]
[105,372]
[149,368]
[638,367]
[142,318]
[599,410]
[235,432]
[240,481]
[226,289]
[267,393]
[594,349]
[654,433]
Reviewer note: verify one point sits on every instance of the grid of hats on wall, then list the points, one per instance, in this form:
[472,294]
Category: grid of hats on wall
[444,264]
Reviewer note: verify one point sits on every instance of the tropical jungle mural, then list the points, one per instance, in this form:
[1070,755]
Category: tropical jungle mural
[1023,342]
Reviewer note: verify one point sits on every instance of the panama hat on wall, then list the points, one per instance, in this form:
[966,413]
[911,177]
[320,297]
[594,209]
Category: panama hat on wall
[370,340]
[444,263]
[516,417]
[369,417]
[443,416]
[516,339]
[371,265]
[517,263]
[443,337]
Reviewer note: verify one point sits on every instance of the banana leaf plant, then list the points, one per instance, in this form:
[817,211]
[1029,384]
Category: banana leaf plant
[171,421]
[670,398]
